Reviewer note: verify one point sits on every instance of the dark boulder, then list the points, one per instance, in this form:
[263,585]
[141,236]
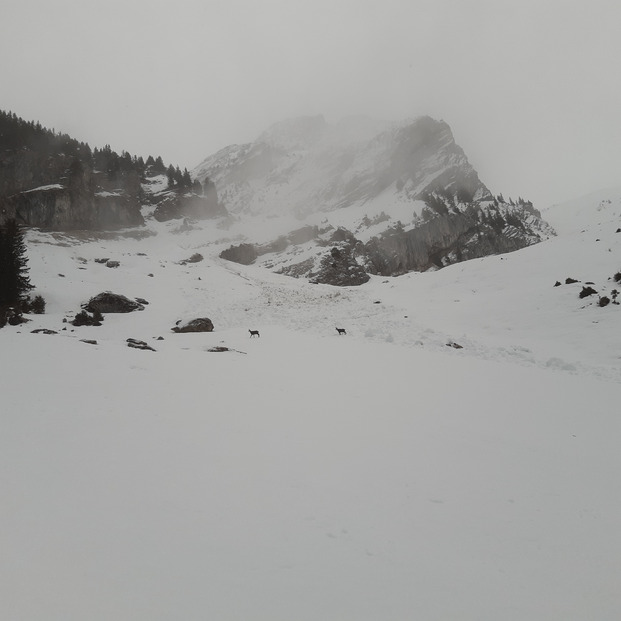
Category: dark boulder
[108,302]
[202,324]
[244,254]
[84,319]
[586,292]
[136,344]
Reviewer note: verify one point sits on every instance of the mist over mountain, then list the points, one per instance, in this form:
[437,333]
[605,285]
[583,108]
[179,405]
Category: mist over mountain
[388,199]
[306,165]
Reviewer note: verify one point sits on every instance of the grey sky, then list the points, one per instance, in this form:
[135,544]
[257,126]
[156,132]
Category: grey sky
[531,88]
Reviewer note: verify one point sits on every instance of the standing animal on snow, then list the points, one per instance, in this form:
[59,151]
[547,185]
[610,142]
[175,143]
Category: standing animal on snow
[341,331]
[254,333]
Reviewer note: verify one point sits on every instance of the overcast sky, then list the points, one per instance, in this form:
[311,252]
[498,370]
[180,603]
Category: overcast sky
[530,88]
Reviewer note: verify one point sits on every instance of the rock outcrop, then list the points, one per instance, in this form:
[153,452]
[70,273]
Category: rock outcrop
[202,324]
[108,302]
[173,205]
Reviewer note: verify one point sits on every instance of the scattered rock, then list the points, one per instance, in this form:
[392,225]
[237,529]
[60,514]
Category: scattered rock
[218,348]
[587,291]
[16,320]
[136,344]
[557,283]
[202,324]
[113,263]
[569,281]
[43,331]
[88,341]
[84,319]
[102,260]
[108,302]
[142,301]
[195,258]
[454,345]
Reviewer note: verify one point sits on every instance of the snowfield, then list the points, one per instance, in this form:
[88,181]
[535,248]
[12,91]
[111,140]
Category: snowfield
[307,476]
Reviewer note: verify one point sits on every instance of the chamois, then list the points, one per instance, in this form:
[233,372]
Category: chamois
[341,331]
[254,333]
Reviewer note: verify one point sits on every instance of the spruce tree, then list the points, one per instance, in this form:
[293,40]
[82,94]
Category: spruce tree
[14,280]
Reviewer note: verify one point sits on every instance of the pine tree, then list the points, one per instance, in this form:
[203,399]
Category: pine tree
[14,280]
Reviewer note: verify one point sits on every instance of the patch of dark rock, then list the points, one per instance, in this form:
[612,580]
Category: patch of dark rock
[604,301]
[342,235]
[141,301]
[150,275]
[108,302]
[587,291]
[201,324]
[570,281]
[221,348]
[618,231]
[159,338]
[16,320]
[89,341]
[377,302]
[557,283]
[61,275]
[136,344]
[245,254]
[195,258]
[84,319]
[103,261]
[298,270]
[454,345]
[43,331]
[113,263]
[175,205]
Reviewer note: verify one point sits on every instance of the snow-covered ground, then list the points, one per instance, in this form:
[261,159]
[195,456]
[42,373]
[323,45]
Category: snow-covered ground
[308,476]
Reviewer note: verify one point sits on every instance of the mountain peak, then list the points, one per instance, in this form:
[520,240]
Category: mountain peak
[306,165]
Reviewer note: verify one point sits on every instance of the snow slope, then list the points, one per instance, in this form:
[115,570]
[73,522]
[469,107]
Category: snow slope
[305,475]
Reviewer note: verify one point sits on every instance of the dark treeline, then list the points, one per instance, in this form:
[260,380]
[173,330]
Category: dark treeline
[17,134]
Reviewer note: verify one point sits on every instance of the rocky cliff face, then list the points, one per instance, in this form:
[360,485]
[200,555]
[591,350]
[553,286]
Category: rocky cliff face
[61,193]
